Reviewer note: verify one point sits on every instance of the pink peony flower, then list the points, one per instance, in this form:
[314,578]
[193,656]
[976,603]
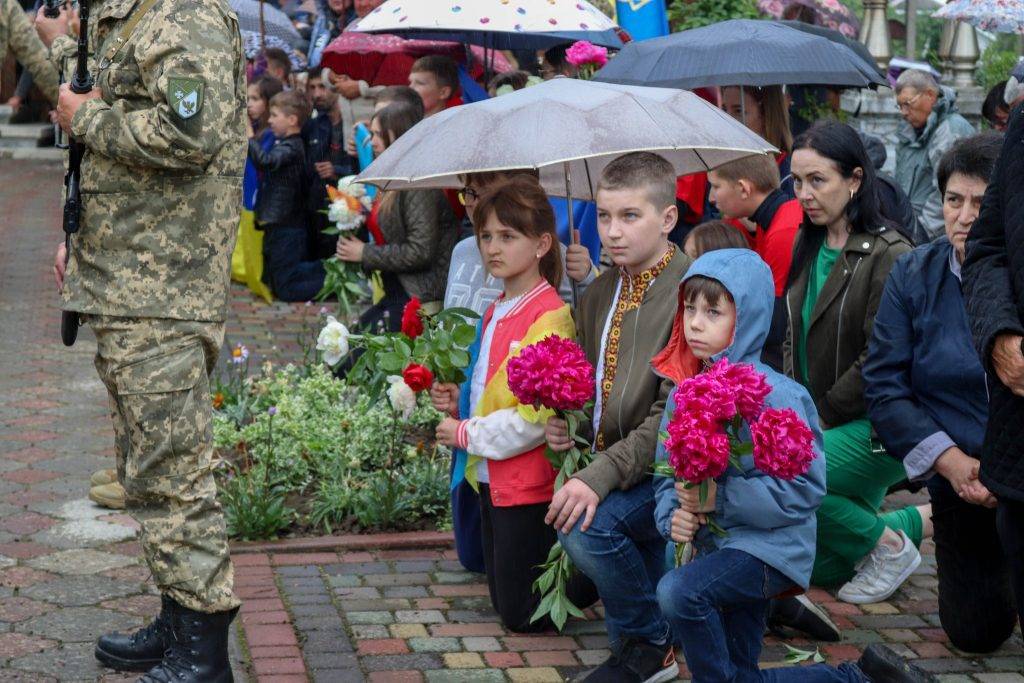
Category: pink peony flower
[553,373]
[783,443]
[697,447]
[706,393]
[583,53]
[747,385]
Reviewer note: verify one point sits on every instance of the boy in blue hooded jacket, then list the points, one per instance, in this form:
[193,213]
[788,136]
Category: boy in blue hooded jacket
[717,603]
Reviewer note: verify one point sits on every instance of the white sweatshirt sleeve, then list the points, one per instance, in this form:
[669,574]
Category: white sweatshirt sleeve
[500,435]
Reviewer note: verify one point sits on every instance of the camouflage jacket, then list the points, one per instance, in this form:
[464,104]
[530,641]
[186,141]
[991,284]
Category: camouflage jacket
[17,33]
[162,174]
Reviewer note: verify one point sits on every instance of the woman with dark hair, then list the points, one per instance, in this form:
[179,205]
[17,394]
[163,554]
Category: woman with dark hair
[842,257]
[413,233]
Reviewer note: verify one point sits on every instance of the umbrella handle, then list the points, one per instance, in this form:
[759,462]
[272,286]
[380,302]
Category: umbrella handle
[572,228]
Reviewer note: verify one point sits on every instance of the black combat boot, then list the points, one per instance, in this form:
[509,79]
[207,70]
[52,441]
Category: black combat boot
[199,649]
[143,649]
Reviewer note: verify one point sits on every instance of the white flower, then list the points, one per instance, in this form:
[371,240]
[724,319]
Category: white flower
[343,218]
[348,186]
[333,341]
[403,399]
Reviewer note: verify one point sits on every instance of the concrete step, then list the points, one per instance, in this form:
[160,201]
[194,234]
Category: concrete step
[23,134]
[33,154]
[5,113]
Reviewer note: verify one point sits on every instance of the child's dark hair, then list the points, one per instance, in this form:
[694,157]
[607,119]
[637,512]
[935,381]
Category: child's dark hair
[275,55]
[292,103]
[700,287]
[712,235]
[402,94]
[520,203]
[445,70]
[267,87]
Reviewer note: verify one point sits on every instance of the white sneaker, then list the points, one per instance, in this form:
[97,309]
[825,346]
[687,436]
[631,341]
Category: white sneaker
[881,573]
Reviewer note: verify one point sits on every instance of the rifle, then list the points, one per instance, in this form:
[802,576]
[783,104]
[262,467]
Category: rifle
[81,83]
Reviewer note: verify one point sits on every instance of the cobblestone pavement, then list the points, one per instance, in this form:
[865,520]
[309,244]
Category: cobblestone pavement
[70,571]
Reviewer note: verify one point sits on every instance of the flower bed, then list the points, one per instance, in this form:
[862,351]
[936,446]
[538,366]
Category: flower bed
[304,451]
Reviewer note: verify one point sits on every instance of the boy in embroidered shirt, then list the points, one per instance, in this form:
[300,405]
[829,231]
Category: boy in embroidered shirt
[504,440]
[604,514]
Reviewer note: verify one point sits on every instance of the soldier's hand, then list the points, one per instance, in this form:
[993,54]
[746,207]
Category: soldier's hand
[68,104]
[59,263]
[49,29]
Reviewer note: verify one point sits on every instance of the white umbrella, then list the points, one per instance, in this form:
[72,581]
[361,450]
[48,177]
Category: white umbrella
[568,129]
[496,24]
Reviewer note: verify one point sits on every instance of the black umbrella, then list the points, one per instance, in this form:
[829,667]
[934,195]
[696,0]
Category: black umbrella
[836,37]
[742,52]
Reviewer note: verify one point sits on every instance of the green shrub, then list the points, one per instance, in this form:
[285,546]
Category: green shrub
[254,506]
[995,65]
[687,14]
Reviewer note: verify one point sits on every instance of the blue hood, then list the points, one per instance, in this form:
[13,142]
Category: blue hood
[749,280]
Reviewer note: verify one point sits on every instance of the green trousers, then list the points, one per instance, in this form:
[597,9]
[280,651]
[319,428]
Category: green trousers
[849,521]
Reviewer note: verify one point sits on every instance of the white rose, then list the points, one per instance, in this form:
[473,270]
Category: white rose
[403,399]
[349,186]
[333,341]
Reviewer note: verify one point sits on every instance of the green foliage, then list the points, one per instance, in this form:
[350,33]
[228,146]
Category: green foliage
[345,452]
[687,14]
[254,505]
[797,656]
[995,65]
[346,283]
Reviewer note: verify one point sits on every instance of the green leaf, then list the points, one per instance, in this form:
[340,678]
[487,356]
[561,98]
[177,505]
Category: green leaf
[559,612]
[543,583]
[464,335]
[390,362]
[402,348]
[543,608]
[702,493]
[459,358]
[663,469]
[449,313]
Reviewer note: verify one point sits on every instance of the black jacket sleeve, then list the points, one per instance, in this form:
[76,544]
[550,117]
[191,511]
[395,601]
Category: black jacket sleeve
[284,153]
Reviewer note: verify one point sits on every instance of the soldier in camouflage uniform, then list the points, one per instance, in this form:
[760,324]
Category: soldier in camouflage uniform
[16,33]
[149,271]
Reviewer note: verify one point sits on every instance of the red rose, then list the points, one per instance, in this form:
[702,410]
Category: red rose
[412,325]
[418,377]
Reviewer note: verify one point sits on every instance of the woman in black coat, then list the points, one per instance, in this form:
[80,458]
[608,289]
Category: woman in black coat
[993,278]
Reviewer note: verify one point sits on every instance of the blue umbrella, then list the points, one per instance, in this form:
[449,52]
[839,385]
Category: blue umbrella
[741,52]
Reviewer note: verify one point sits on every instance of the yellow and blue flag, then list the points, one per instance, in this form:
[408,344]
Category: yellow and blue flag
[642,18]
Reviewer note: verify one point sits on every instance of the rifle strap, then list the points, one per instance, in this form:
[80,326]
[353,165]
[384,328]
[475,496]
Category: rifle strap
[126,32]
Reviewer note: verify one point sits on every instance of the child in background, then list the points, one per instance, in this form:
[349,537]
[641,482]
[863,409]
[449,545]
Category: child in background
[279,66]
[280,202]
[713,235]
[718,602]
[605,513]
[747,190]
[436,79]
[515,231]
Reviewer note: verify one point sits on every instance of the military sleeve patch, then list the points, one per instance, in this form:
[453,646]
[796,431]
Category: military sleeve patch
[185,96]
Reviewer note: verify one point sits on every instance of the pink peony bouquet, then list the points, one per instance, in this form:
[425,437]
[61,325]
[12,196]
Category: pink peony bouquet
[586,57]
[703,436]
[554,373]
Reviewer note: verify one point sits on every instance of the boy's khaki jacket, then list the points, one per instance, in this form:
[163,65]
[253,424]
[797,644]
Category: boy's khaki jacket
[632,414]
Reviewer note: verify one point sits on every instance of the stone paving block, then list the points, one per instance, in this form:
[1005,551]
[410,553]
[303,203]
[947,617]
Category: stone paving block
[435,644]
[524,643]
[481,644]
[368,592]
[469,616]
[19,644]
[425,616]
[309,598]
[384,646]
[503,660]
[77,624]
[345,580]
[889,621]
[396,677]
[1004,663]
[316,610]
[415,566]
[80,561]
[593,657]
[419,661]
[486,629]
[550,658]
[899,635]
[880,608]
[396,579]
[332,660]
[456,577]
[318,623]
[375,604]
[405,592]
[463,660]
[408,630]
[579,626]
[379,618]
[337,676]
[278,667]
[948,665]
[361,568]
[18,608]
[534,675]
[465,676]
[1000,678]
[365,631]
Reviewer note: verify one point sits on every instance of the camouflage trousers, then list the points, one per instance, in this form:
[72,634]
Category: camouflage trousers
[157,375]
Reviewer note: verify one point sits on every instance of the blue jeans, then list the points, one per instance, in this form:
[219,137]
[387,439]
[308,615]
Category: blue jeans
[624,555]
[717,605]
